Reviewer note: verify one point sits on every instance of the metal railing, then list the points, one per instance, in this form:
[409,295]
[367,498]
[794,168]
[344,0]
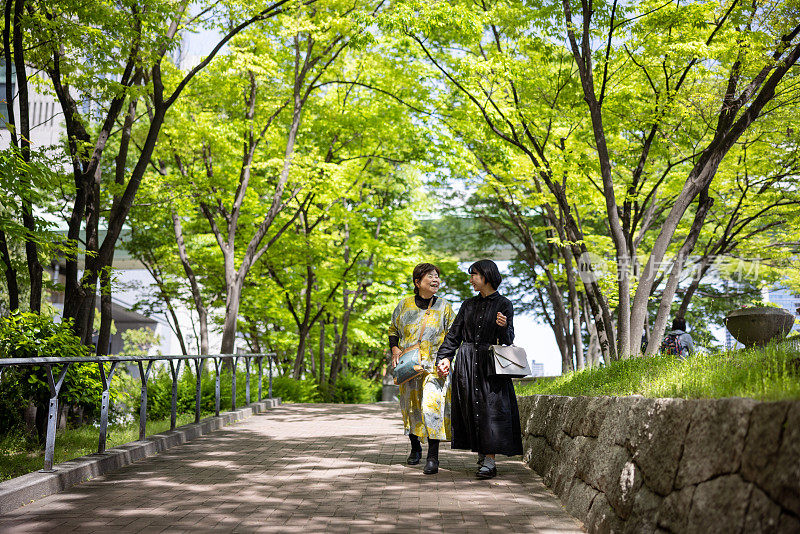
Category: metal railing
[175,361]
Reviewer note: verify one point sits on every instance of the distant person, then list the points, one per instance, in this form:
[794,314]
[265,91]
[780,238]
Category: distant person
[678,342]
[485,415]
[419,323]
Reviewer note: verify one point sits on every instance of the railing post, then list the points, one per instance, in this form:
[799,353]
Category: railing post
[143,406]
[260,377]
[105,399]
[269,361]
[174,370]
[198,367]
[217,362]
[233,384]
[247,380]
[52,416]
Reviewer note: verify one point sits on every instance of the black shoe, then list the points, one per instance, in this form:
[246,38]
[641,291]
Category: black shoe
[414,457]
[486,472]
[432,467]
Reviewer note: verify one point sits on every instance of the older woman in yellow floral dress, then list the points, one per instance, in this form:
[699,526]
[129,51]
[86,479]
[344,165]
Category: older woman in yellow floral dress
[425,400]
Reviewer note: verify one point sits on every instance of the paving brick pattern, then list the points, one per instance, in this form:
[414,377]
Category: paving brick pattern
[302,468]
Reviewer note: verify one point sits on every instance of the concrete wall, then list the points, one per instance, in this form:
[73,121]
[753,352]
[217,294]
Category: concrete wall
[631,464]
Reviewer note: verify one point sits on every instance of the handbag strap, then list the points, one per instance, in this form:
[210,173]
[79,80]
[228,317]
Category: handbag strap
[424,317]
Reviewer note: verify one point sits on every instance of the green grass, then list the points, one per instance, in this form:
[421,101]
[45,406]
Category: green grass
[18,456]
[768,373]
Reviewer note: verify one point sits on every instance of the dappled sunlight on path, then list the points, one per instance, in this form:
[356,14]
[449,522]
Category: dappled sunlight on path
[310,468]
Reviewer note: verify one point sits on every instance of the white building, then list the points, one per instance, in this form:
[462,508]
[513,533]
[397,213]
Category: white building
[46,121]
[786,299]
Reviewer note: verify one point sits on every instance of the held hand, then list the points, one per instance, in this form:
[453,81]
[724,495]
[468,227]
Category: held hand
[443,368]
[395,355]
[501,319]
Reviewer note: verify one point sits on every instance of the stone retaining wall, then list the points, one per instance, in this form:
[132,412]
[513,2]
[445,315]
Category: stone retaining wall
[632,464]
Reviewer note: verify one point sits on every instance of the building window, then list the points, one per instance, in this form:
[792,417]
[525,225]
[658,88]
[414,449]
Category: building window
[3,85]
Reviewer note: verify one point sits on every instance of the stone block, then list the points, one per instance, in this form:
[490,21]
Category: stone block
[560,448]
[714,441]
[762,514]
[527,452]
[603,469]
[564,471]
[788,525]
[540,452]
[601,518]
[771,458]
[673,514]
[763,438]
[596,412]
[616,422]
[643,513]
[655,439]
[590,449]
[719,505]
[621,484]
[575,415]
[579,499]
[553,419]
[532,416]
[525,406]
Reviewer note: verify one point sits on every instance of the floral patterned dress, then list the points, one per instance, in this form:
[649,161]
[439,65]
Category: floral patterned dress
[425,400]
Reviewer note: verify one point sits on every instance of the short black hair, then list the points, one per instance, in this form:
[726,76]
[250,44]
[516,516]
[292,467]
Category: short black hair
[419,273]
[488,270]
[679,323]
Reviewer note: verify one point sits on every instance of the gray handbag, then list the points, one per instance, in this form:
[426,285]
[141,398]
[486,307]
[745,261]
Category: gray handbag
[510,360]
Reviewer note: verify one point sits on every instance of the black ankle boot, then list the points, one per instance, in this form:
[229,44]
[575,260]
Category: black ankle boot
[416,450]
[432,465]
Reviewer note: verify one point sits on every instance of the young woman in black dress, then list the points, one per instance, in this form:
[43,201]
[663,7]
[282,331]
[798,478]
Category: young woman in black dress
[484,414]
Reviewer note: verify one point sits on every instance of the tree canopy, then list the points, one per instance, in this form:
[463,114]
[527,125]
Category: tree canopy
[634,159]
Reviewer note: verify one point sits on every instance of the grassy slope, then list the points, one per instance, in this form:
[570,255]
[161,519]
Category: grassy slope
[17,458]
[769,373]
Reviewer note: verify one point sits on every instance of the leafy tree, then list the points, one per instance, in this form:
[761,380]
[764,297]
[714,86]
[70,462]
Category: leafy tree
[627,147]
[127,44]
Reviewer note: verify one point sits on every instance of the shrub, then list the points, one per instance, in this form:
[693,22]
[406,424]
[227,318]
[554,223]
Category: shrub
[352,389]
[33,335]
[291,390]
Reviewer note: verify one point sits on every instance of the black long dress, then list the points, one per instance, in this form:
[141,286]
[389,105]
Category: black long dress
[484,416]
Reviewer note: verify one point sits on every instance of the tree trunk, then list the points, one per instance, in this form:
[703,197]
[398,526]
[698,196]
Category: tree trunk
[313,361]
[583,59]
[657,333]
[336,357]
[321,350]
[10,272]
[593,349]
[14,54]
[574,309]
[104,336]
[299,358]
[229,324]
[197,296]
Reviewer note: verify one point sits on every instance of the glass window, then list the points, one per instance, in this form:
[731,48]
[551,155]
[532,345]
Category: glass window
[3,106]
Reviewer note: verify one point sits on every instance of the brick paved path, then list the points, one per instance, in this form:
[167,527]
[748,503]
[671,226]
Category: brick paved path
[301,468]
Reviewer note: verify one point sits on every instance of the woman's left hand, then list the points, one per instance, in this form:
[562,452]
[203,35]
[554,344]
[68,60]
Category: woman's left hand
[501,319]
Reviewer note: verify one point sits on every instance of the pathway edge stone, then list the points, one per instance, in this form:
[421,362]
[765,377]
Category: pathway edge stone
[27,488]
